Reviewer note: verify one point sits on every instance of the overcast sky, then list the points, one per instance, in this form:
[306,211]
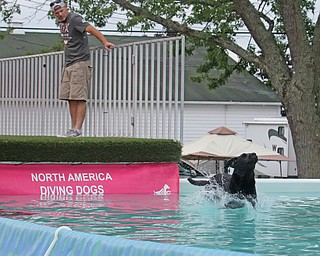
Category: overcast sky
[34,15]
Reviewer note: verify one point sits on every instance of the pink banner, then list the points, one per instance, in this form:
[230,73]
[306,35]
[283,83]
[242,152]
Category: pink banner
[89,179]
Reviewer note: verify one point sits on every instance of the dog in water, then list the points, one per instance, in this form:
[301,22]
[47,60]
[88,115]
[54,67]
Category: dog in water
[241,183]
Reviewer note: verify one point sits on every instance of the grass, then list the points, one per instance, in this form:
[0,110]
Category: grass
[87,149]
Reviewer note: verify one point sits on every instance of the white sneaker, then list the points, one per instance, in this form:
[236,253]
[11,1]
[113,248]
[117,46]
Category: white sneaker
[71,133]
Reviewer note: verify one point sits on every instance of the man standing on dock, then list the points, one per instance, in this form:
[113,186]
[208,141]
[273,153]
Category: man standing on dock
[76,74]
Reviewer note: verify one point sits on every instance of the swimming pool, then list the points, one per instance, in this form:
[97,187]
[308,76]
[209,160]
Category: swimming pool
[285,222]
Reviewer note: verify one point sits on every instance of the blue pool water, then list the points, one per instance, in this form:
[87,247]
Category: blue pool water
[282,223]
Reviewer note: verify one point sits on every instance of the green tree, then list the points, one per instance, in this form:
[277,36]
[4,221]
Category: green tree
[8,9]
[6,13]
[284,52]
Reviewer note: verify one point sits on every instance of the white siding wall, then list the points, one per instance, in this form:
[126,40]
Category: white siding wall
[201,118]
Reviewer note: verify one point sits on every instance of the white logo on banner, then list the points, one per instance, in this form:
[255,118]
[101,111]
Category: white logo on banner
[164,191]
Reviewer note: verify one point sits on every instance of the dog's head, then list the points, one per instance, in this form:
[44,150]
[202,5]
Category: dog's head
[244,162]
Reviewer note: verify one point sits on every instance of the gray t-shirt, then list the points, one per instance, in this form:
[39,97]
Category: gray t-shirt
[76,47]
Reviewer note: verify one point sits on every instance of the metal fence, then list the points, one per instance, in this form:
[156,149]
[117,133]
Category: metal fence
[137,91]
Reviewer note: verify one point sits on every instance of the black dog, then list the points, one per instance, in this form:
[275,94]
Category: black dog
[241,183]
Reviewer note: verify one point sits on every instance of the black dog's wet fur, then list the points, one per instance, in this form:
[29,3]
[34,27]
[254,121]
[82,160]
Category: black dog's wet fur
[241,183]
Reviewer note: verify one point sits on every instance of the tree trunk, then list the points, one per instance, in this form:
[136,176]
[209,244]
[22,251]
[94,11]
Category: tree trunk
[305,127]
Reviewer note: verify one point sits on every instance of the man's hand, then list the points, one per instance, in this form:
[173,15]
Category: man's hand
[108,45]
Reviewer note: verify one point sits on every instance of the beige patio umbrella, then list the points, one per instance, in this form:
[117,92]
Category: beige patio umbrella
[223,143]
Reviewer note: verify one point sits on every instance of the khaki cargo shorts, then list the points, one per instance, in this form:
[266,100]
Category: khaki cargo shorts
[75,81]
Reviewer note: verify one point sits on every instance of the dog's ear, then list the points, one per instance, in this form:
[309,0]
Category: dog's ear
[231,163]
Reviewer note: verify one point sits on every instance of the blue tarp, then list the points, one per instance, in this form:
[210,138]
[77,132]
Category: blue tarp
[24,238]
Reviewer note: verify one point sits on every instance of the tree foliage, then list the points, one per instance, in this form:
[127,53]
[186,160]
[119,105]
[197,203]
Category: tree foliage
[6,13]
[7,10]
[211,24]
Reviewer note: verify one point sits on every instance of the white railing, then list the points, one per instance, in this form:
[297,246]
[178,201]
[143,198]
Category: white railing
[137,91]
